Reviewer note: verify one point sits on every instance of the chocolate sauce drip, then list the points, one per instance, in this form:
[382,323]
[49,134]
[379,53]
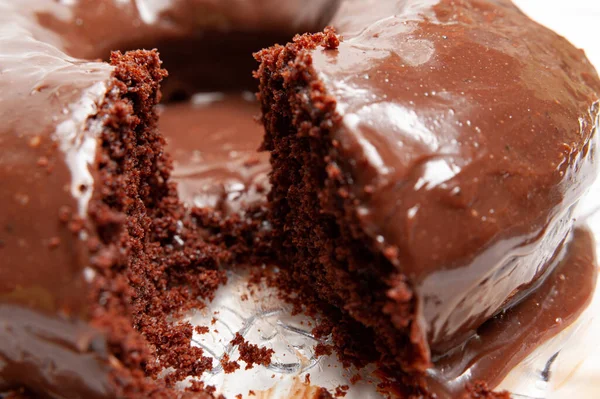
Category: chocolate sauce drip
[508,338]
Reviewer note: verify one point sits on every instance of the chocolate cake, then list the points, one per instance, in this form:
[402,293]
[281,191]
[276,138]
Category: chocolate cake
[425,161]
[427,157]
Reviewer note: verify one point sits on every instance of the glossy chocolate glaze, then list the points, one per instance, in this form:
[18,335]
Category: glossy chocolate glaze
[52,357]
[210,39]
[214,140]
[46,149]
[49,151]
[47,99]
[46,166]
[504,341]
[470,132]
[90,29]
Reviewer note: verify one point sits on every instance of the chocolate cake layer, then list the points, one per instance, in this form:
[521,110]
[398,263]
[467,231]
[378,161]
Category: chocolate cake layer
[425,168]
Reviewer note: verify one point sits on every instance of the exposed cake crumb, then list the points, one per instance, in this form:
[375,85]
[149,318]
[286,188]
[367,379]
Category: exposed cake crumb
[341,391]
[480,390]
[323,393]
[141,279]
[228,365]
[252,354]
[355,379]
[202,330]
[323,350]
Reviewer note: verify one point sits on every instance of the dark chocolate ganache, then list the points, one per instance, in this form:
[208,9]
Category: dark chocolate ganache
[214,140]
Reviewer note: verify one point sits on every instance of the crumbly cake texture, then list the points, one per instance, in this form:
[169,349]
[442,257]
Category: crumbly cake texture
[310,201]
[332,267]
[152,258]
[481,391]
[302,188]
[251,353]
[155,259]
[244,236]
[150,262]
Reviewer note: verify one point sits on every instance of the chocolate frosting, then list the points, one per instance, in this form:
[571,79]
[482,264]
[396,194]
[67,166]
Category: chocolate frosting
[470,132]
[47,149]
[52,357]
[213,141]
[214,40]
[508,338]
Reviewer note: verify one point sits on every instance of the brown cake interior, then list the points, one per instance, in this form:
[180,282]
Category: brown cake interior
[319,193]
[313,209]
[150,261]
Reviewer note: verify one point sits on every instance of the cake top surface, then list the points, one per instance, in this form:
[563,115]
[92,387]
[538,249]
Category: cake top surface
[467,129]
[445,103]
